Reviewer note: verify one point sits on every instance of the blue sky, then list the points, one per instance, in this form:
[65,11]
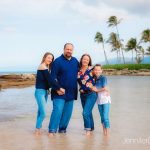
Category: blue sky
[29,28]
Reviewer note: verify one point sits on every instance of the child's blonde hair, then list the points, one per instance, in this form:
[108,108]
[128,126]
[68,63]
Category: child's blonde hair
[98,65]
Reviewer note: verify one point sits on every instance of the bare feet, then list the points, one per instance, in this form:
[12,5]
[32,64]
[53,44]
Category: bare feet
[51,134]
[37,132]
[106,132]
[88,133]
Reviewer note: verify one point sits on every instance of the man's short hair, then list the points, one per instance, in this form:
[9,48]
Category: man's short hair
[68,44]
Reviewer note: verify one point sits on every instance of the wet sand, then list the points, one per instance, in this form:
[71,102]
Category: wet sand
[129,117]
[18,135]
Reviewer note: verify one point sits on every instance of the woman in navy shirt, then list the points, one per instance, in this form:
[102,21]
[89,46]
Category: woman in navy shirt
[88,97]
[43,83]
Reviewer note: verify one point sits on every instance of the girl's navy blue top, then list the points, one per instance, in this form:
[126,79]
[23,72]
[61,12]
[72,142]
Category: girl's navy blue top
[43,79]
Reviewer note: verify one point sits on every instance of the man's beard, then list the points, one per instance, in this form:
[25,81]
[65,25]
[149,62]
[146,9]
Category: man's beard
[68,55]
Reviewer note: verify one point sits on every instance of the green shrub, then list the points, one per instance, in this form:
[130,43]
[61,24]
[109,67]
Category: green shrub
[129,66]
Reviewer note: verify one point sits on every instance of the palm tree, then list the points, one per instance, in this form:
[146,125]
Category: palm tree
[99,39]
[139,60]
[132,45]
[148,51]
[113,22]
[146,35]
[115,44]
[141,52]
[145,38]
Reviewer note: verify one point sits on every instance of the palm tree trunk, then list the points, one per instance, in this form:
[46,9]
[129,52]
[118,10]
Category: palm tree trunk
[132,55]
[106,60]
[121,46]
[143,55]
[136,55]
[122,55]
[117,57]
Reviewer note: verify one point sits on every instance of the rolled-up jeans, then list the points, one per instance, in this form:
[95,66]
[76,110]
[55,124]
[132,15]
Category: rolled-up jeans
[41,96]
[88,101]
[104,114]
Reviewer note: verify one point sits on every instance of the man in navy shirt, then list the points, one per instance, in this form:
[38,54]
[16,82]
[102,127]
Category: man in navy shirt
[64,70]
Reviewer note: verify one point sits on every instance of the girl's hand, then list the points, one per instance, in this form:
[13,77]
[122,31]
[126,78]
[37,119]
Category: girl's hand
[62,90]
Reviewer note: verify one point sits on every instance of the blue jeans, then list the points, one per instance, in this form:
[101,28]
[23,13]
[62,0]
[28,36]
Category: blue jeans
[104,114]
[88,102]
[61,114]
[41,96]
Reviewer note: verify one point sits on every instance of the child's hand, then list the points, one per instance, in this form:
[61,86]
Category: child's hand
[94,89]
[106,90]
[107,93]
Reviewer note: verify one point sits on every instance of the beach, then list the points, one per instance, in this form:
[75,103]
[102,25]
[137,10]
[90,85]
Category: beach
[129,117]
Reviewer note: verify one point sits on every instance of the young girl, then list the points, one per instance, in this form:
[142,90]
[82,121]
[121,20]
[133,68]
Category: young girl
[43,83]
[103,99]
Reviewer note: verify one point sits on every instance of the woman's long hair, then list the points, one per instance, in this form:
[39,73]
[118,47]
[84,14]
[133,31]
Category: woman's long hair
[44,57]
[90,60]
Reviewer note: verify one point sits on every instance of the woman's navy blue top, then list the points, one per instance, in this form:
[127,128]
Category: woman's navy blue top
[43,79]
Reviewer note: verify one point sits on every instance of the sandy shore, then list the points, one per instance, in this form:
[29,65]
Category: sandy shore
[19,135]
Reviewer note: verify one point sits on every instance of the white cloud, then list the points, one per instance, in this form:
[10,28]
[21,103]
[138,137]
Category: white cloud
[10,29]
[99,12]
[139,7]
[88,10]
[31,7]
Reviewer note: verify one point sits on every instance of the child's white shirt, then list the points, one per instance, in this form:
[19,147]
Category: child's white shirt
[103,98]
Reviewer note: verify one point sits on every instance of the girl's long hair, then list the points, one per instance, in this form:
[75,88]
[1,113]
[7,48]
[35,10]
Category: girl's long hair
[44,57]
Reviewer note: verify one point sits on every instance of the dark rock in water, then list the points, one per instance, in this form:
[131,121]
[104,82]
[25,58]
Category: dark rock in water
[16,80]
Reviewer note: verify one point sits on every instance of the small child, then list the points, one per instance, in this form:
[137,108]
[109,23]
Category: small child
[103,99]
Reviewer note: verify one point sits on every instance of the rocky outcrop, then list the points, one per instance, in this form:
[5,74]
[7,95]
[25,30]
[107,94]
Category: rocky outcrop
[19,76]
[16,80]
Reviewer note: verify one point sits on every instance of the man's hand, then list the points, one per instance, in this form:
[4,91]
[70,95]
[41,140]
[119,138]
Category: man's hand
[61,91]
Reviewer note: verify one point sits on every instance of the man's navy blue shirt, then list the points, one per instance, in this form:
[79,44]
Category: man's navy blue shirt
[65,71]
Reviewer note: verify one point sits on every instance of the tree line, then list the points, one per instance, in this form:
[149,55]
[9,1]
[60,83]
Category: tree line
[116,43]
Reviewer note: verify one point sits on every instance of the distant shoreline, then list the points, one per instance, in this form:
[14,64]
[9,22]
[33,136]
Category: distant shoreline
[126,72]
[28,79]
